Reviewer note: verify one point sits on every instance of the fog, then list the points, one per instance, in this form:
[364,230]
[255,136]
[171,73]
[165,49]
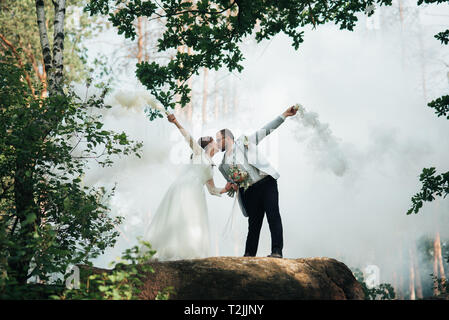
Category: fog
[345,183]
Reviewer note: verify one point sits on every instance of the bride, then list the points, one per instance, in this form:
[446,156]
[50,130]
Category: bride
[180,226]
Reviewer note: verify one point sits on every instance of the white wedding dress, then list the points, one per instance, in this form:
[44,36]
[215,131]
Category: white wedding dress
[180,226]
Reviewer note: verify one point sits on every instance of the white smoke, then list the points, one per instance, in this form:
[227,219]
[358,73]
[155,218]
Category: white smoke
[324,148]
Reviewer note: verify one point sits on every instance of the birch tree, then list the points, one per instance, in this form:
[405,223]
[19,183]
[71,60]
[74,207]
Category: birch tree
[19,32]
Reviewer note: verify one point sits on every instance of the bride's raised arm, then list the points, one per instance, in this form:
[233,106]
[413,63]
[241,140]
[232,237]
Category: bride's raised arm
[213,190]
[196,148]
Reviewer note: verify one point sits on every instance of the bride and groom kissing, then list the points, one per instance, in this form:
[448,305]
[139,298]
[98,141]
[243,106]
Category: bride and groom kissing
[180,226]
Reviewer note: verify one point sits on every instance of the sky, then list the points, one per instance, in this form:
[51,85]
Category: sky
[344,190]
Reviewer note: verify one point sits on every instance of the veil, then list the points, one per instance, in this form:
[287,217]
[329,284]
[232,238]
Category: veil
[230,221]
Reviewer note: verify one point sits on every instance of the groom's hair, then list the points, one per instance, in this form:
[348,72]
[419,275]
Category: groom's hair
[203,142]
[226,133]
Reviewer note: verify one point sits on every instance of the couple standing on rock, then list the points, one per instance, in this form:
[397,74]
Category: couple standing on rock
[180,227]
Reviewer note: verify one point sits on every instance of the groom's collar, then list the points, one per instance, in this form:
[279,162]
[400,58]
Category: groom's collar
[234,146]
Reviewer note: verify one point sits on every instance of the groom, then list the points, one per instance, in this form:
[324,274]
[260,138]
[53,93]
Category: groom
[262,195]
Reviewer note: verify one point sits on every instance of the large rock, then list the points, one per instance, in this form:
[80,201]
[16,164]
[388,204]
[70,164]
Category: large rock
[253,278]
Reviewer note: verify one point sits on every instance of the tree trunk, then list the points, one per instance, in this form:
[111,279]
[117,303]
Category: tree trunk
[45,44]
[44,92]
[422,59]
[419,293]
[58,46]
[19,259]
[395,284]
[204,106]
[41,75]
[178,109]
[440,258]
[216,105]
[401,285]
[234,99]
[225,99]
[26,207]
[139,40]
[401,13]
[401,17]
[190,104]
[7,43]
[145,40]
[412,277]
[435,267]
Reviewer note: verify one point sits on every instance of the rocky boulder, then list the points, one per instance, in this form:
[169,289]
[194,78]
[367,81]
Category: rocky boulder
[248,278]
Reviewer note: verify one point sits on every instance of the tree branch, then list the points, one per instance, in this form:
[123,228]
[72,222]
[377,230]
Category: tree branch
[195,11]
[311,14]
[20,62]
[14,225]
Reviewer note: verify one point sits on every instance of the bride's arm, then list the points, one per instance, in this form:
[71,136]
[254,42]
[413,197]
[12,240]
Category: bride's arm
[192,143]
[213,190]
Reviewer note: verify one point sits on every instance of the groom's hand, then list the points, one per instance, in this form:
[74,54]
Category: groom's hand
[230,186]
[290,112]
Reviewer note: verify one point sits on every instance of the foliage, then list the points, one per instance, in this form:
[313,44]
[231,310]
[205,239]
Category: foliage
[122,283]
[440,284]
[443,36]
[432,185]
[383,291]
[18,26]
[213,29]
[426,247]
[48,218]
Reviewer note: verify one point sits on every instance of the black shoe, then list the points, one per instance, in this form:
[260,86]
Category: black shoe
[248,255]
[275,255]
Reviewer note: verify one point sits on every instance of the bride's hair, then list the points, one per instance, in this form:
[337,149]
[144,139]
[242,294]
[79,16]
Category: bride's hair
[203,142]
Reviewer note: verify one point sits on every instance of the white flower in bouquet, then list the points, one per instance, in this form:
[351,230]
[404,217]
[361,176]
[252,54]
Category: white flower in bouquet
[154,111]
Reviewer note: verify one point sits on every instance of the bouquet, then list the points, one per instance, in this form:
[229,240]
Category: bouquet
[239,177]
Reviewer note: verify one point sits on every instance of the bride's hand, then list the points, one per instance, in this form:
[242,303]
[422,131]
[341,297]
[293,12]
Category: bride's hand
[230,186]
[171,118]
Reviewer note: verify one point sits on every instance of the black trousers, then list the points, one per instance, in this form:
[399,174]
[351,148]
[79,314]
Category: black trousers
[258,199]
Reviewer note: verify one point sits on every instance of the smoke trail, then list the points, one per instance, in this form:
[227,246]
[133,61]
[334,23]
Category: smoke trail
[323,146]
[136,100]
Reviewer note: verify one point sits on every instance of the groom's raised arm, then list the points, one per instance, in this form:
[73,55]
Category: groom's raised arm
[260,134]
